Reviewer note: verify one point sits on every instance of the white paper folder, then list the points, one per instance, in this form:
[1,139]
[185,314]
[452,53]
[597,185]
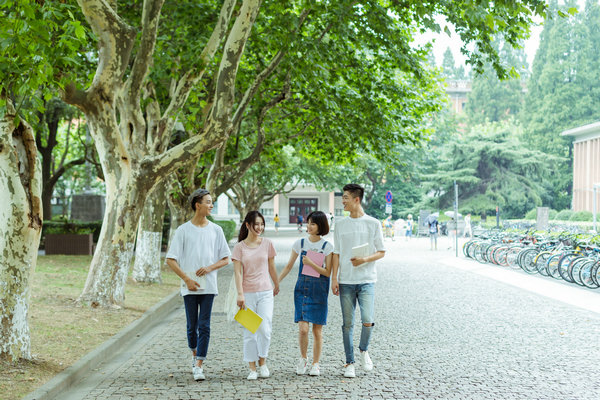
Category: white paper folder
[360,251]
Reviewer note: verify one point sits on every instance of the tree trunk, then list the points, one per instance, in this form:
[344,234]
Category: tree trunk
[147,265]
[20,228]
[180,212]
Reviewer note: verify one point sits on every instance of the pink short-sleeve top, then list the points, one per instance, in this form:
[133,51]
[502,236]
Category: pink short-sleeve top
[255,265]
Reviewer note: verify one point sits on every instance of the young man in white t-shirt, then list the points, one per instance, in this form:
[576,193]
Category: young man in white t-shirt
[198,249]
[353,277]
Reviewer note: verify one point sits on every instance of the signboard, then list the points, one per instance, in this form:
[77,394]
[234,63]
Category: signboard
[388,198]
[388,208]
[542,218]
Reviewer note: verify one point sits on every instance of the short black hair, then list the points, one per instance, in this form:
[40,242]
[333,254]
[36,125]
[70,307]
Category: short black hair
[197,196]
[355,190]
[319,218]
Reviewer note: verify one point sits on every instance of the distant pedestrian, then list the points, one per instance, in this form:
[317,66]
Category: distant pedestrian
[468,228]
[197,251]
[409,226]
[276,220]
[310,293]
[253,262]
[300,220]
[433,233]
[358,243]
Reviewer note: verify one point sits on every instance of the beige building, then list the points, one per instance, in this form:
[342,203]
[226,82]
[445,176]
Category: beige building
[303,200]
[586,165]
[458,91]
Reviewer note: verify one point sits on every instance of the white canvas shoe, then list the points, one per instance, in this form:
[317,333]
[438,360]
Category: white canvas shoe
[302,366]
[252,376]
[366,362]
[263,371]
[199,374]
[314,370]
[349,371]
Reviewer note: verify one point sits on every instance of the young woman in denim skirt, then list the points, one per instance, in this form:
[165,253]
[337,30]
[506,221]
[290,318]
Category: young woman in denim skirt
[310,294]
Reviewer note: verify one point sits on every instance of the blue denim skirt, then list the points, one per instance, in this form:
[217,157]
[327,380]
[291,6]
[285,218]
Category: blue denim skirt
[310,299]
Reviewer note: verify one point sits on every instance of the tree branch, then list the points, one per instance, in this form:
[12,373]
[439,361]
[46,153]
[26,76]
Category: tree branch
[181,90]
[143,59]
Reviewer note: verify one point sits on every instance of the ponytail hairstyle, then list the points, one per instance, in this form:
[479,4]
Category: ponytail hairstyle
[249,220]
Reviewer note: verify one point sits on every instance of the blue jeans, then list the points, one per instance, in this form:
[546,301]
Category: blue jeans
[197,312]
[349,294]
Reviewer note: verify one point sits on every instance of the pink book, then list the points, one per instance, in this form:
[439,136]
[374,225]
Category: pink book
[315,257]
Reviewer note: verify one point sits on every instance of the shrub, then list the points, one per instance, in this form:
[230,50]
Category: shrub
[531,214]
[564,215]
[552,214]
[581,216]
[229,227]
[63,226]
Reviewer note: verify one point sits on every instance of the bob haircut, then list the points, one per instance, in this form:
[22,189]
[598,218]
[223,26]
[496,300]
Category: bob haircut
[319,218]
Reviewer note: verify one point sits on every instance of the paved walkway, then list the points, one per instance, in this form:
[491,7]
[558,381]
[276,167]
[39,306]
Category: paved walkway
[443,331]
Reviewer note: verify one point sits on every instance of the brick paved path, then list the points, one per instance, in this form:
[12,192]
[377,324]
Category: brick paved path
[441,333]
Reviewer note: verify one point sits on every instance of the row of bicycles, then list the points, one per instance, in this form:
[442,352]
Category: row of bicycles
[572,257]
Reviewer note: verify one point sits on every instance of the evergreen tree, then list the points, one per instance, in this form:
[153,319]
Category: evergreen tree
[492,168]
[492,99]
[564,90]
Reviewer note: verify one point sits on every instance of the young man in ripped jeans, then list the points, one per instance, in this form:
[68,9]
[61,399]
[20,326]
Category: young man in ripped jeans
[353,278]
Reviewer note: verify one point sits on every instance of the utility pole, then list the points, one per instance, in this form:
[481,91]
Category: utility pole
[456,218]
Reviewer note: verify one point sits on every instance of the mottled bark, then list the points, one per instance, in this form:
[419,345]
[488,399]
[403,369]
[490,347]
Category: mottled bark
[131,141]
[20,228]
[147,265]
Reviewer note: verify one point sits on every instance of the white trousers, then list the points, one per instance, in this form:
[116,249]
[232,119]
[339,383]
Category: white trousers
[257,344]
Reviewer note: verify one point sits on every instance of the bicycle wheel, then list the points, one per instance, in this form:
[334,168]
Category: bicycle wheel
[511,256]
[527,260]
[596,273]
[575,268]
[540,262]
[585,274]
[552,266]
[563,265]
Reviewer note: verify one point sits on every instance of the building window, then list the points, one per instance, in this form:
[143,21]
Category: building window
[231,209]
[266,211]
[339,212]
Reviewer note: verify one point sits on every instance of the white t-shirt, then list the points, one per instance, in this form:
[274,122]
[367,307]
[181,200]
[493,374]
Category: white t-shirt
[352,232]
[194,247]
[316,246]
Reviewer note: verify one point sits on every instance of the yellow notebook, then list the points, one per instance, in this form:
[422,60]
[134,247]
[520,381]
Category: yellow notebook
[249,319]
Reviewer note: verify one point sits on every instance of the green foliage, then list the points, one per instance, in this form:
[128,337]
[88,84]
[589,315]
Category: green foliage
[531,214]
[61,225]
[492,168]
[492,99]
[581,216]
[564,215]
[563,91]
[39,43]
[228,226]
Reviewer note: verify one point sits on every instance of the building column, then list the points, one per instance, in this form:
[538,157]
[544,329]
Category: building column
[332,203]
[276,205]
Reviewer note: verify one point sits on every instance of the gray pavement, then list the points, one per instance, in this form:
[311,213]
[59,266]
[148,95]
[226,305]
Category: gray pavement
[441,332]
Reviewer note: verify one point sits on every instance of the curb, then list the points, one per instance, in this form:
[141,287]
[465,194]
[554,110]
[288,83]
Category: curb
[67,378]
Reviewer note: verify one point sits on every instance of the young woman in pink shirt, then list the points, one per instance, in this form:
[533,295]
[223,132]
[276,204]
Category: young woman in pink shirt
[254,261]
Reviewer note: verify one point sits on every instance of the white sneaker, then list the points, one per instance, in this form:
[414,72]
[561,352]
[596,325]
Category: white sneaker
[314,370]
[199,374]
[349,371]
[263,371]
[302,366]
[365,360]
[252,376]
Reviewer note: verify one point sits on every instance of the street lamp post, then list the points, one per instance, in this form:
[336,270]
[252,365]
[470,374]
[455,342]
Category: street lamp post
[594,195]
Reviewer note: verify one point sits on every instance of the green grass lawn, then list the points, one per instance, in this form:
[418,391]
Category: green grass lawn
[63,331]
